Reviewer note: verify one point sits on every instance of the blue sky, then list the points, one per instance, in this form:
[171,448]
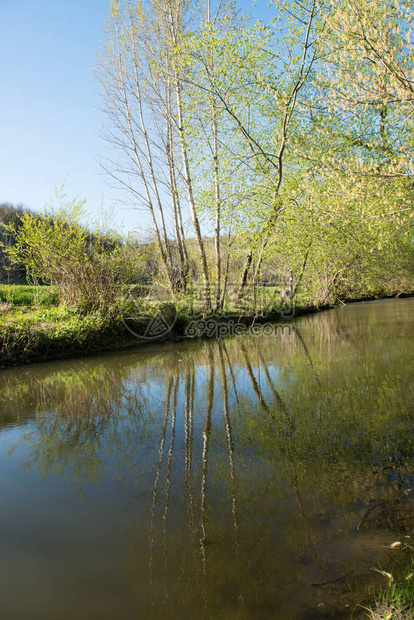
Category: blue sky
[48,105]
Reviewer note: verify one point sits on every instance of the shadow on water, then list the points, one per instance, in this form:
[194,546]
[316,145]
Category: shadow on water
[256,477]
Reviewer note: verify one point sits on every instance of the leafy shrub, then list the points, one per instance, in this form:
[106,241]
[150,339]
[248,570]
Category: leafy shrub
[88,270]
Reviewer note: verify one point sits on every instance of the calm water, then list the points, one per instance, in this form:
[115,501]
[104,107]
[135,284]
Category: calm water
[254,477]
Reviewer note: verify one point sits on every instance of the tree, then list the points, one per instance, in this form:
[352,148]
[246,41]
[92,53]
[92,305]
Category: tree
[142,85]
[290,137]
[256,78]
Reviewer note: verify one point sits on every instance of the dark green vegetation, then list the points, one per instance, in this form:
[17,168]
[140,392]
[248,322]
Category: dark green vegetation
[253,477]
[10,215]
[31,335]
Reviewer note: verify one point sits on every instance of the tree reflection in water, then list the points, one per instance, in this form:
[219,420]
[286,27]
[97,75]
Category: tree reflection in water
[267,474]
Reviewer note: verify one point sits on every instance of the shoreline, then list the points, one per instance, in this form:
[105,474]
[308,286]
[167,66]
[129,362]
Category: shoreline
[37,345]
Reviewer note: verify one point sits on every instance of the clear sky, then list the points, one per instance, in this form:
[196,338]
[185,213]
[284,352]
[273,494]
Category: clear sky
[49,117]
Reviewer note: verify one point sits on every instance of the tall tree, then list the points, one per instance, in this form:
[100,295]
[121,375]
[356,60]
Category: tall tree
[142,83]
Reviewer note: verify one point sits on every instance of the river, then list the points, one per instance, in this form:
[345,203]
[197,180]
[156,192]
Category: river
[260,476]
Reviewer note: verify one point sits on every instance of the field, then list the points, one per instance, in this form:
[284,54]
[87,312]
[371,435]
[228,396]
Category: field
[28,295]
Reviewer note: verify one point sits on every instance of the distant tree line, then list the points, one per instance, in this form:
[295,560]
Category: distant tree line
[10,215]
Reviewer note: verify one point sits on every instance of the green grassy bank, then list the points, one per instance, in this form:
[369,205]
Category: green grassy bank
[34,328]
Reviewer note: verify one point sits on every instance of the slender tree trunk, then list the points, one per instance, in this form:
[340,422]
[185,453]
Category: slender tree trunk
[218,206]
[294,290]
[179,233]
[161,236]
[155,188]
[186,166]
[226,278]
[245,275]
[190,194]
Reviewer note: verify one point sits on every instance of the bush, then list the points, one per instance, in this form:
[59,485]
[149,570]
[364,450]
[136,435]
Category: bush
[87,269]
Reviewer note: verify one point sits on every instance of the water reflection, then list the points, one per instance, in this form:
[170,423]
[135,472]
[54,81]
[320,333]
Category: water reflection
[260,477]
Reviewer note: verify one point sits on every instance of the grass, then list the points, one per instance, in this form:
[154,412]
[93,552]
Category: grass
[30,335]
[395,601]
[33,327]
[28,295]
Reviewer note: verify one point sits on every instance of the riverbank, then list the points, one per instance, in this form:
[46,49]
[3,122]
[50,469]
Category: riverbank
[35,336]
[31,334]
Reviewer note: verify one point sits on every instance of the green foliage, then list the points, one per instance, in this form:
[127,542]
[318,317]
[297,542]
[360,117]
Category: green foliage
[298,139]
[28,295]
[316,143]
[87,269]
